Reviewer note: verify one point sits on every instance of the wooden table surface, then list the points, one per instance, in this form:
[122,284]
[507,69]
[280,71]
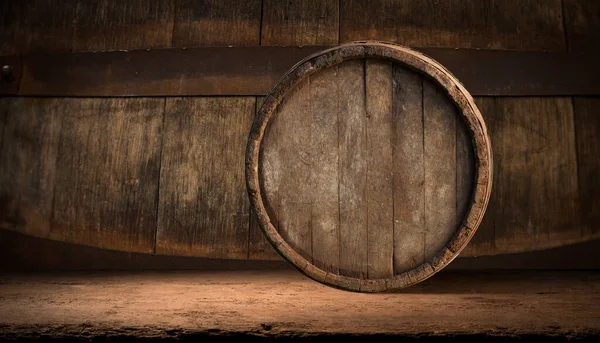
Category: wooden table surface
[190,305]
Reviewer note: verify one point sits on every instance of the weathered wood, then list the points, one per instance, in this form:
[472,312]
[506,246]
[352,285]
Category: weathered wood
[203,206]
[107,169]
[582,24]
[353,170]
[379,180]
[122,25]
[103,24]
[487,24]
[216,22]
[9,22]
[27,163]
[200,71]
[36,25]
[309,22]
[482,242]
[295,198]
[587,133]
[258,246]
[254,70]
[535,200]
[280,26]
[48,25]
[4,105]
[439,143]
[407,145]
[364,121]
[324,171]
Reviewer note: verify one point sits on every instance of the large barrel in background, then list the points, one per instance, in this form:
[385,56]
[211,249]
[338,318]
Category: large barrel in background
[149,174]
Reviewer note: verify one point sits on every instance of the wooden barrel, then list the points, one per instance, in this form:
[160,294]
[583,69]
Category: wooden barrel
[369,167]
[152,161]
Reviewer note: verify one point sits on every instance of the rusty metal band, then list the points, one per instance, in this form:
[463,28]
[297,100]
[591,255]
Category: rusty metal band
[243,71]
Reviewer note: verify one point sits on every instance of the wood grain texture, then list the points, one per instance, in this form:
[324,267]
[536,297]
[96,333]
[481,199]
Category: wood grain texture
[36,25]
[587,133]
[27,163]
[123,25]
[407,145]
[217,22]
[365,100]
[306,22]
[203,207]
[254,70]
[385,190]
[520,25]
[259,247]
[482,242]
[295,195]
[535,201]
[107,169]
[4,103]
[439,140]
[353,170]
[582,24]
[324,172]
[10,25]
[380,186]
[271,167]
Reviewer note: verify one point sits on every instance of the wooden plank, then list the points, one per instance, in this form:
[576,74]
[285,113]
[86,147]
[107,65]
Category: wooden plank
[407,145]
[587,129]
[123,25]
[324,183]
[582,24]
[107,168]
[535,199]
[439,141]
[295,160]
[27,163]
[217,22]
[9,24]
[482,242]
[309,22]
[486,24]
[353,170]
[36,25]
[203,206]
[258,246]
[4,106]
[379,183]
[254,71]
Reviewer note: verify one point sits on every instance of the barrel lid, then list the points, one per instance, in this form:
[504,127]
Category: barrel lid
[294,218]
